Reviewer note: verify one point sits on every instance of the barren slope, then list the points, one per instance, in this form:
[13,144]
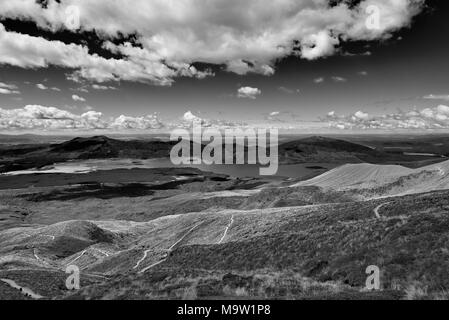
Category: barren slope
[383,180]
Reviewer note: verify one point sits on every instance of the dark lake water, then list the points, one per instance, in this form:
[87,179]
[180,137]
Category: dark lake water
[288,171]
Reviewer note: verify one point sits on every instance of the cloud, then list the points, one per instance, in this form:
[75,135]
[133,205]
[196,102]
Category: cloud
[319,45]
[248,92]
[351,54]
[334,78]
[288,90]
[8,88]
[32,117]
[274,116]
[43,87]
[339,79]
[444,97]
[428,118]
[241,67]
[362,73]
[100,87]
[50,118]
[137,123]
[82,89]
[243,36]
[189,119]
[78,98]
[8,91]
[33,52]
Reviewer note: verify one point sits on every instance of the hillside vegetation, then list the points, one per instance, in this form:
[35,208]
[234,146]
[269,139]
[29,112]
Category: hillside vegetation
[318,251]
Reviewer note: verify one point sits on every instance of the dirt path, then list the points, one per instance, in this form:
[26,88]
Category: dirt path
[142,259]
[376,210]
[226,230]
[151,266]
[25,291]
[35,255]
[82,254]
[168,250]
[101,251]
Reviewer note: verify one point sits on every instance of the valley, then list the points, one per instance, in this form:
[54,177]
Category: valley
[183,233]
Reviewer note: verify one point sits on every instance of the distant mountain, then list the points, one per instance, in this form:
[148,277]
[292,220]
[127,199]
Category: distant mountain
[318,149]
[24,157]
[103,147]
[309,150]
[6,139]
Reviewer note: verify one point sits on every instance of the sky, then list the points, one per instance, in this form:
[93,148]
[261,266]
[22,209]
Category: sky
[300,65]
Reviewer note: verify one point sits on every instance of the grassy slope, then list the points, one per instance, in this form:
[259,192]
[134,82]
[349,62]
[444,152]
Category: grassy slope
[320,251]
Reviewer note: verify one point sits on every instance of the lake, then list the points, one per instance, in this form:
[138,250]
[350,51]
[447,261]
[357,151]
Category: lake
[301,171]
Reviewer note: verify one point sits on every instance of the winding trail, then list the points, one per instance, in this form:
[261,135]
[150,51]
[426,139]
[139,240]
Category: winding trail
[25,291]
[226,230]
[85,251]
[101,251]
[142,259]
[35,255]
[168,250]
[82,254]
[151,266]
[39,258]
[185,235]
[376,210]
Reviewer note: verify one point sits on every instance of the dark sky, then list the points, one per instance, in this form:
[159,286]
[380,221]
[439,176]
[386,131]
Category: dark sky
[397,74]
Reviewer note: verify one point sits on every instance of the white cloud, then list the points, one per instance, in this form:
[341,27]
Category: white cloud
[78,98]
[350,54]
[319,45]
[40,117]
[32,117]
[44,87]
[189,119]
[245,36]
[8,91]
[428,118]
[137,123]
[8,88]
[339,79]
[100,87]
[82,89]
[248,92]
[444,97]
[319,80]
